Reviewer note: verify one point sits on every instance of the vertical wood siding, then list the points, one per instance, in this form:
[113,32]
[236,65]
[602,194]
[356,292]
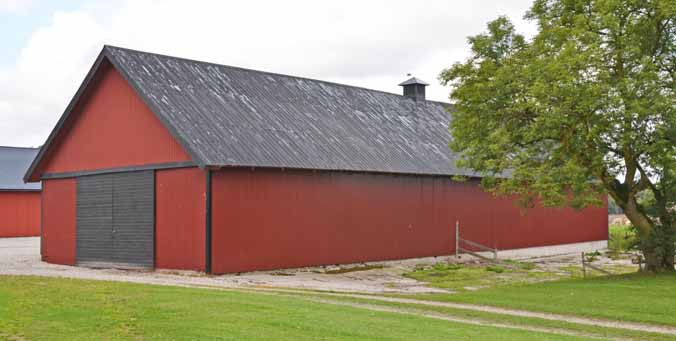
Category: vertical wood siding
[111,127]
[180,218]
[266,219]
[58,221]
[19,214]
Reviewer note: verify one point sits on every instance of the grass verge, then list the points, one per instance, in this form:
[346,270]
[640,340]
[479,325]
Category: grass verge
[631,297]
[486,317]
[469,277]
[39,308]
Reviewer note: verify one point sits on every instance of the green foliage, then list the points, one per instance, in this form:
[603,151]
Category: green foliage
[613,208]
[592,256]
[622,238]
[589,100]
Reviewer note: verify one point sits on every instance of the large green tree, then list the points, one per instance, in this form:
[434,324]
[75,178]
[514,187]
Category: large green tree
[584,108]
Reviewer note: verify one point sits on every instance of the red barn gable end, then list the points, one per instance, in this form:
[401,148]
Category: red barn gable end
[171,163]
[19,202]
[111,127]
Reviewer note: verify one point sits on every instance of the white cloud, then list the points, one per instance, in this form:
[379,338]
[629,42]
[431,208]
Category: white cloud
[14,6]
[371,44]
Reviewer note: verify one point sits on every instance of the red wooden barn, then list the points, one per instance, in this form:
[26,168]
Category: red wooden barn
[19,201]
[173,163]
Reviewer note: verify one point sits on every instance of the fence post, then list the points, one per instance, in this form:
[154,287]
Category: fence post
[457,239]
[584,266]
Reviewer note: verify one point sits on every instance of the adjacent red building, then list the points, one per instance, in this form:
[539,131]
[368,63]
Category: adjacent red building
[172,163]
[19,201]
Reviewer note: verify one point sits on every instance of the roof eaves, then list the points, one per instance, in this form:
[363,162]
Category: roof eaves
[16,147]
[412,81]
[81,90]
[13,189]
[64,117]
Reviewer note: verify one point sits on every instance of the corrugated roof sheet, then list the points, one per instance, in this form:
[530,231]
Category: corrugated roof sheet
[228,116]
[14,162]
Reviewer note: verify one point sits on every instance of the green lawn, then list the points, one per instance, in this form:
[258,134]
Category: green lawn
[599,332]
[471,277]
[633,297]
[39,308]
[458,277]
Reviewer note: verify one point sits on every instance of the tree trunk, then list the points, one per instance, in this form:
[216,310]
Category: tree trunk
[656,241]
[658,260]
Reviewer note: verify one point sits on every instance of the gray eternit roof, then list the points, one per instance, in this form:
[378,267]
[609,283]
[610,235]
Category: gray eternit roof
[13,164]
[413,80]
[229,116]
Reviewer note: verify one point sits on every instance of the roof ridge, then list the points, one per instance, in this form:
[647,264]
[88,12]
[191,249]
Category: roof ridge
[200,120]
[266,72]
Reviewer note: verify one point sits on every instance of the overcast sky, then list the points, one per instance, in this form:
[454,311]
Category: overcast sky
[47,47]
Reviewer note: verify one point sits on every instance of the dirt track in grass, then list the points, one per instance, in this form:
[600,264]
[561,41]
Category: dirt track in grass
[641,327]
[450,318]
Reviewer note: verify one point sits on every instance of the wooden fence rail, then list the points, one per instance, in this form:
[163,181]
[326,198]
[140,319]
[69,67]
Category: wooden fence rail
[459,249]
[586,264]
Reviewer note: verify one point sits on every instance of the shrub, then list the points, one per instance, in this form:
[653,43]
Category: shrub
[622,238]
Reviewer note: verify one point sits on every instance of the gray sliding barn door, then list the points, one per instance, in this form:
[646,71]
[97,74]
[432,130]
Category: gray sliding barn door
[134,218]
[115,220]
[94,219]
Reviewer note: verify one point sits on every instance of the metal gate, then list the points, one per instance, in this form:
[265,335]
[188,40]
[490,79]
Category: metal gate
[115,220]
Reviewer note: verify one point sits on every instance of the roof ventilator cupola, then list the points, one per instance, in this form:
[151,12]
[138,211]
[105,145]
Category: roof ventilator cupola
[414,88]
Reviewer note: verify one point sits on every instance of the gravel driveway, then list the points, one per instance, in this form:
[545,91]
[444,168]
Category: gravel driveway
[21,256]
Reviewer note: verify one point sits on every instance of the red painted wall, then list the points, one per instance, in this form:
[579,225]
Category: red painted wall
[19,214]
[58,221]
[180,216]
[110,127]
[266,219]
